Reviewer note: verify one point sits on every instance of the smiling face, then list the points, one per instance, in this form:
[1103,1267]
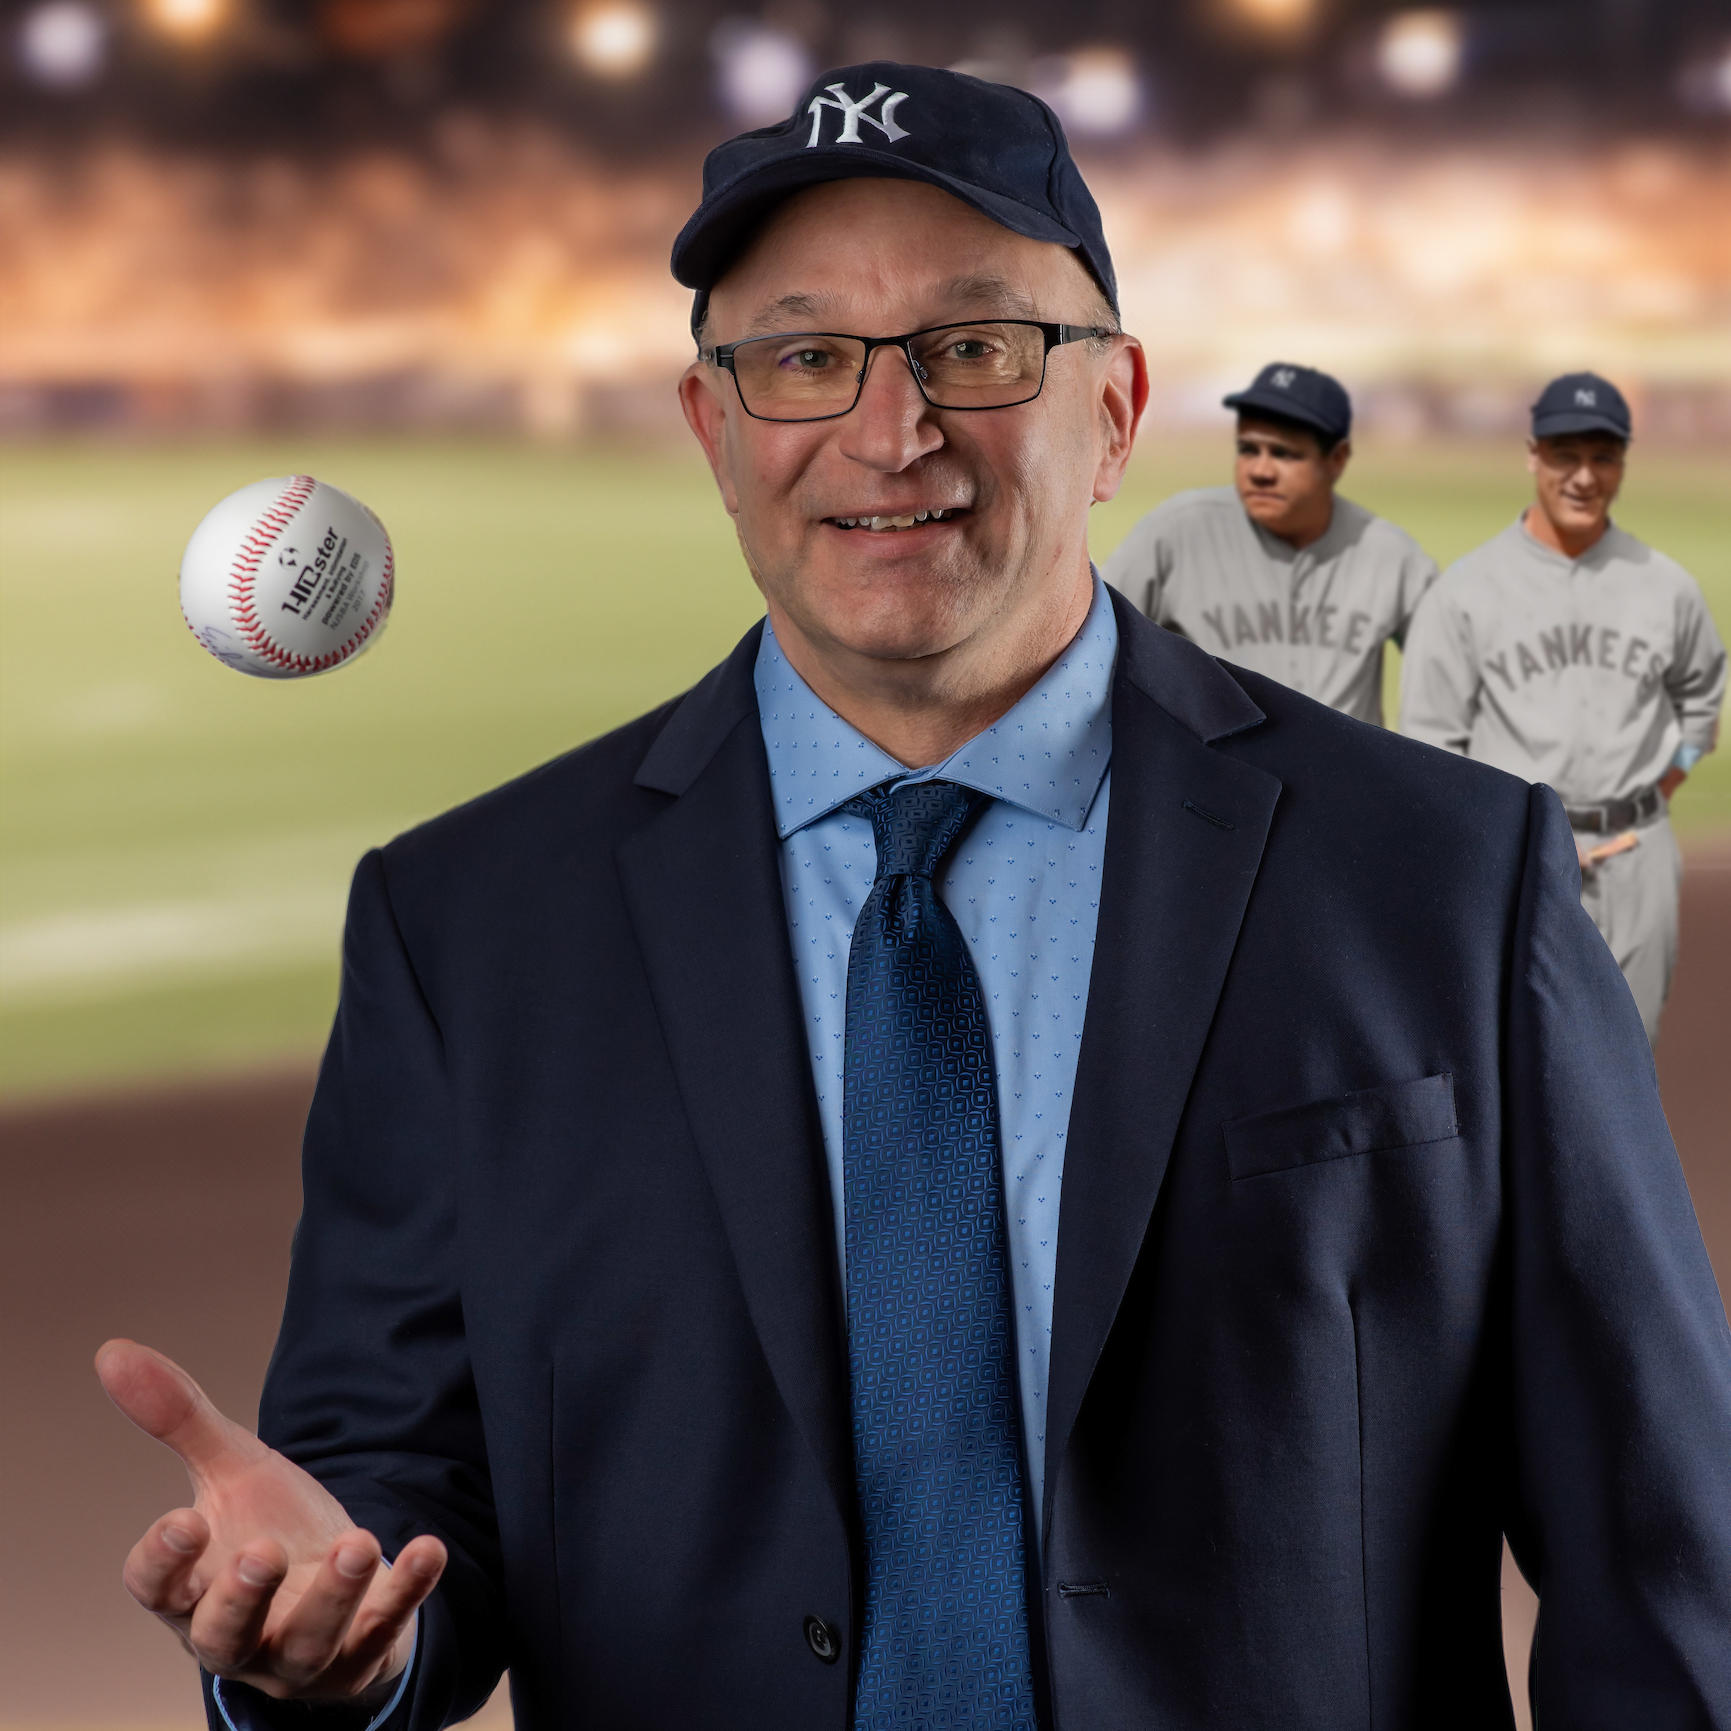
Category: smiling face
[1285,481]
[1578,477]
[936,555]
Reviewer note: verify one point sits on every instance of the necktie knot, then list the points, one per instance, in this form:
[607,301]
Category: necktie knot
[915,824]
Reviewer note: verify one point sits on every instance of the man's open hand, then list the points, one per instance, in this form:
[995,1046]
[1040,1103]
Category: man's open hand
[265,1579]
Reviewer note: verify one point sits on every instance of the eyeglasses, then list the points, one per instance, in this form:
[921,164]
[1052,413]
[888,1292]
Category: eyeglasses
[818,375]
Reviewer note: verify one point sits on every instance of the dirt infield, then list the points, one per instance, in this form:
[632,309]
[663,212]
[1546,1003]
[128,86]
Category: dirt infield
[167,1216]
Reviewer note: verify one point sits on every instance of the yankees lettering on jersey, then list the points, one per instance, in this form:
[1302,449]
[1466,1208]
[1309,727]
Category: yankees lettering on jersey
[852,113]
[1573,644]
[1586,674]
[1314,618]
[1294,626]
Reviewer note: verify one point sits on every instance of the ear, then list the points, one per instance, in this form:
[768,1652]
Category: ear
[1532,456]
[1338,458]
[706,415]
[1123,397]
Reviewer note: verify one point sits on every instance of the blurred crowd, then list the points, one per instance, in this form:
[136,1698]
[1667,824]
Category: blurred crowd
[505,277]
[443,213]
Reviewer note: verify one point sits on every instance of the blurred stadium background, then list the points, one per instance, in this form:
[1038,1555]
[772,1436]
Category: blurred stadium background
[418,248]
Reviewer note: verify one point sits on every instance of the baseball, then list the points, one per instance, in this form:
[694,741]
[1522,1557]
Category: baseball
[287,577]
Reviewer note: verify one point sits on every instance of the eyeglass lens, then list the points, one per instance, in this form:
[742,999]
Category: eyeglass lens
[807,375]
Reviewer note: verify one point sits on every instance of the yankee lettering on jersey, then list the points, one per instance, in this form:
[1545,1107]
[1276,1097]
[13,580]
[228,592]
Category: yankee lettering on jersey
[1586,674]
[1605,648]
[1304,626]
[1315,618]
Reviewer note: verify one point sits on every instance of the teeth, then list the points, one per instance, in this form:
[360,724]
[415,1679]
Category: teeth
[905,520]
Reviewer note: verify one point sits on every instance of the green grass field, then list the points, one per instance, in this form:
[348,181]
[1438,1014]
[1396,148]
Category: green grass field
[175,839]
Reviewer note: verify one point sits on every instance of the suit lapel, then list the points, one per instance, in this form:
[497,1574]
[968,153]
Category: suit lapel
[702,883]
[1176,882]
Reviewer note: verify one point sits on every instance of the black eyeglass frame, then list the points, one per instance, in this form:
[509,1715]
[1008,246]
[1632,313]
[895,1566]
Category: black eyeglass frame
[721,355]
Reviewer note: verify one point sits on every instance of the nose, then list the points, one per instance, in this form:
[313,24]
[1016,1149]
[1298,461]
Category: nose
[892,426]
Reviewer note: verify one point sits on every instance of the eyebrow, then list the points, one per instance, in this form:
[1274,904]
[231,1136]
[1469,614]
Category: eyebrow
[775,315]
[998,292]
[982,290]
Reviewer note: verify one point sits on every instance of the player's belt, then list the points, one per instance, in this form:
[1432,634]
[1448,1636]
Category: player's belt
[1615,813]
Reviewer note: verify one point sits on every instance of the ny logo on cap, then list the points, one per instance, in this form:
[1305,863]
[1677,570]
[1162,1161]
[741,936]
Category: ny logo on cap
[1282,378]
[1586,399]
[852,113]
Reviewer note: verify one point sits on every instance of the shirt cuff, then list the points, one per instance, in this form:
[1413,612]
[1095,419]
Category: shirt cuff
[1687,757]
[245,1709]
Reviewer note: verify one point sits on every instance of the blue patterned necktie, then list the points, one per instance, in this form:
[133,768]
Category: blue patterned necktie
[937,1446]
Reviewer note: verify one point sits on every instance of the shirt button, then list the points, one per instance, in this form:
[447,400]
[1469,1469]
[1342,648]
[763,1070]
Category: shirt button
[824,1641]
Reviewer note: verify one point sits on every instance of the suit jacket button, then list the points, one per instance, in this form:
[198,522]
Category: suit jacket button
[824,1641]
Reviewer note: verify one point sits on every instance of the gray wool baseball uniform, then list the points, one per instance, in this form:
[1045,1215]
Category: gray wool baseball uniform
[1594,675]
[1314,618]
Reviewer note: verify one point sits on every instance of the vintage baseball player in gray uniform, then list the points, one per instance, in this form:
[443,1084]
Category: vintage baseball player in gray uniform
[1278,573]
[1568,652]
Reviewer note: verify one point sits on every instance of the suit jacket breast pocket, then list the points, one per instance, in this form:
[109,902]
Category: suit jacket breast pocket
[1396,1115]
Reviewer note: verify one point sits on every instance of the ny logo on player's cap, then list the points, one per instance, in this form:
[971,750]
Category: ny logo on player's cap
[1281,378]
[1586,399]
[852,113]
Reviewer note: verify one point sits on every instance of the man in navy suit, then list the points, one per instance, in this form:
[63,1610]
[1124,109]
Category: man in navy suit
[980,1167]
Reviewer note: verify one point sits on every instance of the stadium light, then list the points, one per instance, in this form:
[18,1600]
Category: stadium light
[613,40]
[1419,53]
[1286,18]
[1704,83]
[761,72]
[1095,91]
[63,44]
[190,20]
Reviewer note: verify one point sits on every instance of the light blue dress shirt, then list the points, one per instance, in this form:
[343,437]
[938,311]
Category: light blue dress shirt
[1023,885]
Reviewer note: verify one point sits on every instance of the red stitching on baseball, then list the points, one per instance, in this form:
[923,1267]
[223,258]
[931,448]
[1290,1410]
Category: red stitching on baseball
[244,572]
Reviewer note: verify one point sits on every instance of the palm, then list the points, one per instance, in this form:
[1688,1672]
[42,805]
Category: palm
[265,1578]
[246,1492]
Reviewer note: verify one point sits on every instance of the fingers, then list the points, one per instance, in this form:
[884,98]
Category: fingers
[162,1400]
[347,1629]
[344,1631]
[159,1568]
[228,1623]
[399,1593]
[312,1634]
[222,1621]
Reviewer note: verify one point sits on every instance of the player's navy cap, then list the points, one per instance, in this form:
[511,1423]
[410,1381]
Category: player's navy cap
[1581,403]
[1299,394]
[996,148]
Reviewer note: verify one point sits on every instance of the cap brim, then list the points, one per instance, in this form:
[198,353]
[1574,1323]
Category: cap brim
[708,242]
[1572,421]
[1283,408]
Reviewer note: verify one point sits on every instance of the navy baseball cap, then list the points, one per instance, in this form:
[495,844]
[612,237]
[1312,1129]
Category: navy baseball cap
[993,147]
[1581,403]
[1299,394]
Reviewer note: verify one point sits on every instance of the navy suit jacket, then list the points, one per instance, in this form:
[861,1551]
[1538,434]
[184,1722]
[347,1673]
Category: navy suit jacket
[1374,1245]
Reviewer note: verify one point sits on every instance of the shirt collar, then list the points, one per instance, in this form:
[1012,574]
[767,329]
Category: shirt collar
[1047,755]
